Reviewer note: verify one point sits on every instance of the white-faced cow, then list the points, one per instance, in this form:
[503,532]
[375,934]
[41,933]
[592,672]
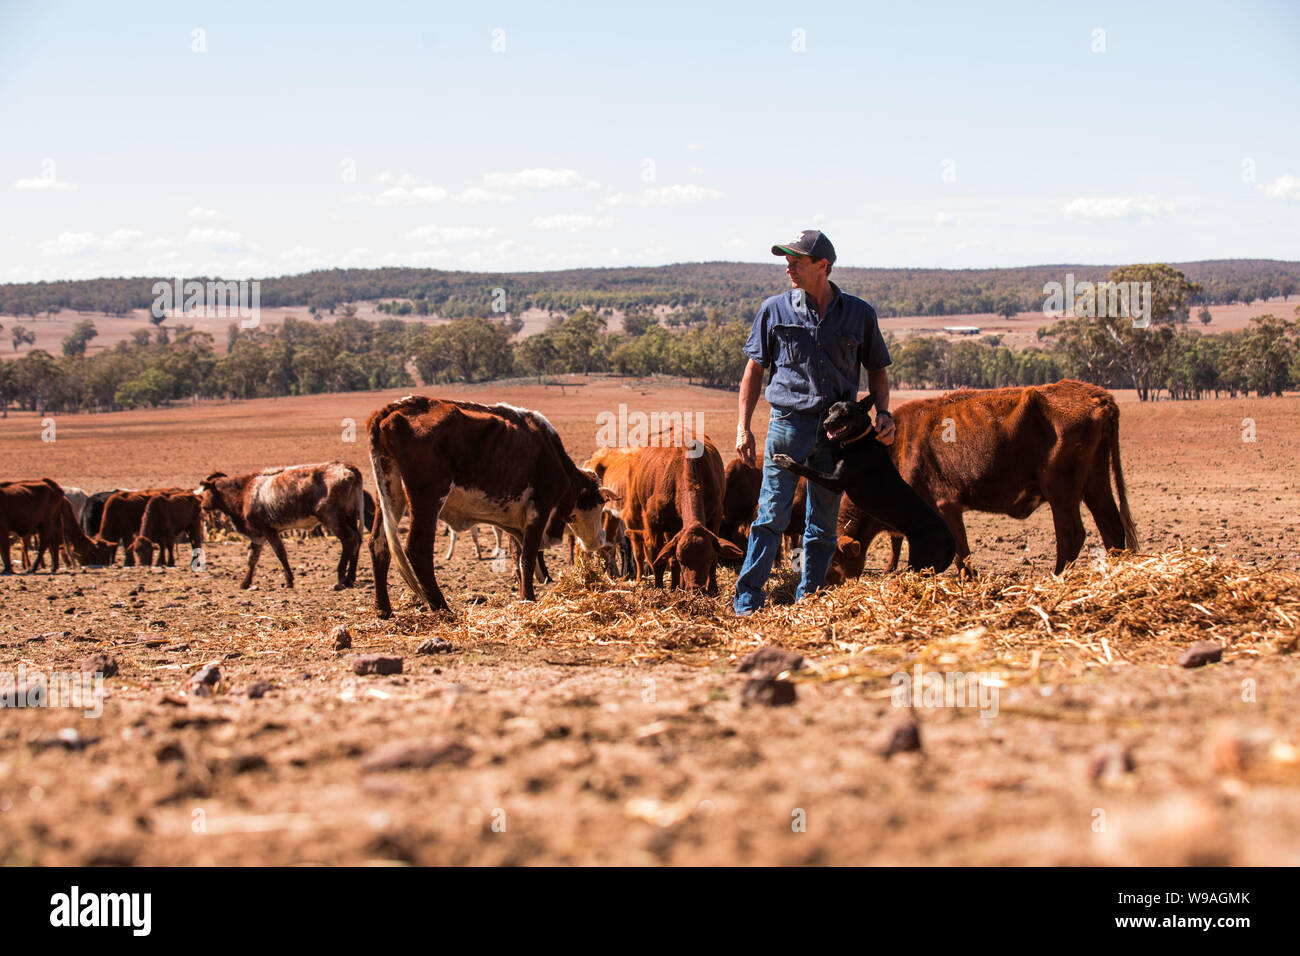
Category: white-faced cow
[263,504]
[469,464]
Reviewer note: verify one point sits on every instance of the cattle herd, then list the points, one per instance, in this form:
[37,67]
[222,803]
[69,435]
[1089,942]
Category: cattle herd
[670,508]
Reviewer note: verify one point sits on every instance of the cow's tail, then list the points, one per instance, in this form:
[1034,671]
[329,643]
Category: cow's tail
[384,479]
[1125,517]
[361,506]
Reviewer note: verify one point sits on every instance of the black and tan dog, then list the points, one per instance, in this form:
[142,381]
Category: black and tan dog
[866,473]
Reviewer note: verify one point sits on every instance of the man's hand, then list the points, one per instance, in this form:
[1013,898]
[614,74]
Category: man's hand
[745,445]
[884,428]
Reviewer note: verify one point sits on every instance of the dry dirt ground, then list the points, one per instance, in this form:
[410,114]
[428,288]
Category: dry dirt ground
[608,725]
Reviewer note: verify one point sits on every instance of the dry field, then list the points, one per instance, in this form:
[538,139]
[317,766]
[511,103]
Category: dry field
[605,724]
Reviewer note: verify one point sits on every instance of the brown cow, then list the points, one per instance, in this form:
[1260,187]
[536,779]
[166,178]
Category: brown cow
[740,506]
[121,517]
[84,549]
[469,464]
[1005,451]
[264,503]
[32,507]
[673,511]
[165,517]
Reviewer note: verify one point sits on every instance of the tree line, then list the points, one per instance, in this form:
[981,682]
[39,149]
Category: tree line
[172,363]
[736,286]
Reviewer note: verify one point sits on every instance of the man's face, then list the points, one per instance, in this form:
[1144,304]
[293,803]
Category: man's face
[804,273]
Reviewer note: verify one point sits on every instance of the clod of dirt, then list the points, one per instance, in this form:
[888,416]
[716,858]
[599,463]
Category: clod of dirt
[402,756]
[1201,653]
[204,683]
[171,750]
[434,645]
[768,662]
[100,664]
[242,763]
[260,689]
[376,664]
[1110,762]
[766,690]
[341,637]
[904,736]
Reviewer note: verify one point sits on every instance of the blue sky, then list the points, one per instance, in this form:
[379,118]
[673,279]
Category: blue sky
[286,137]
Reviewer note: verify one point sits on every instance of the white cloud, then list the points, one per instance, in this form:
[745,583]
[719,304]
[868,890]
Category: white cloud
[573,223]
[1118,207]
[68,243]
[539,178]
[215,236]
[943,218]
[477,194]
[199,212]
[299,254]
[451,233]
[1284,187]
[665,196]
[406,196]
[43,184]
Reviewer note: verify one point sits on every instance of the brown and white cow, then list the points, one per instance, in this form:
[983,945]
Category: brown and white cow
[165,518]
[469,464]
[31,507]
[262,504]
[1005,451]
[673,511]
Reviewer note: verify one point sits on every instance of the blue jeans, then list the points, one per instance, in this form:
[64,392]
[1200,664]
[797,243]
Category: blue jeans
[794,434]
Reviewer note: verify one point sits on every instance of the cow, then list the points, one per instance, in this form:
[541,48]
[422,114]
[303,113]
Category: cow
[165,517]
[262,504]
[77,498]
[120,520]
[740,506]
[81,548]
[1006,451]
[31,507]
[92,513]
[469,463]
[367,518]
[673,510]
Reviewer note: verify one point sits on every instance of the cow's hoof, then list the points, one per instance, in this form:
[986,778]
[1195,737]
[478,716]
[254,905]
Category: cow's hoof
[783,461]
[340,586]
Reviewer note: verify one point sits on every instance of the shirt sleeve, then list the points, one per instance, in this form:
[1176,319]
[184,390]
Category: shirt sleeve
[873,354]
[758,346]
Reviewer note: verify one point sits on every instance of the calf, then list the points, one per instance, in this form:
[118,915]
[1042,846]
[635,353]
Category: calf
[81,548]
[121,517]
[866,474]
[740,506]
[468,464]
[27,508]
[262,504]
[165,517]
[1006,451]
[673,511]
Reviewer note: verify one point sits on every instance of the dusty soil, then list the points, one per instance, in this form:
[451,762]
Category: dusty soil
[528,745]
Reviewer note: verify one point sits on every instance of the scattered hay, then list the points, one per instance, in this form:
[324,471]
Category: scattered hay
[1126,609]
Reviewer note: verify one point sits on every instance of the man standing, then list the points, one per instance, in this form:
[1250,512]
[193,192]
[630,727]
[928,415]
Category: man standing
[812,339]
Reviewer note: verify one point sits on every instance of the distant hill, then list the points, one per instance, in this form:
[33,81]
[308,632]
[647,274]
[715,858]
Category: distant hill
[687,286]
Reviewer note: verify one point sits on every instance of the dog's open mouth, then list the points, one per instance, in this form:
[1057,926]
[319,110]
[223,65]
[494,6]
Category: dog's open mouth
[837,432]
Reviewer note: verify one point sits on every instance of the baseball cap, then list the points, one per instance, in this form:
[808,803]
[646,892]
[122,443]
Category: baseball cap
[810,242]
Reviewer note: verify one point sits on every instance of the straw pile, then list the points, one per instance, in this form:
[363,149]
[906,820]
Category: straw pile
[1123,609]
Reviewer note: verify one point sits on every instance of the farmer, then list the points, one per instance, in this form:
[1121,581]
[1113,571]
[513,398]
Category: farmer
[812,340]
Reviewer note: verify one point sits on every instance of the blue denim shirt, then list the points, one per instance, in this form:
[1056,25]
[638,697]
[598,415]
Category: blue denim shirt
[813,360]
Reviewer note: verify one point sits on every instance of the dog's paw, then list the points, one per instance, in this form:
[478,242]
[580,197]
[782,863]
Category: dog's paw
[783,461]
